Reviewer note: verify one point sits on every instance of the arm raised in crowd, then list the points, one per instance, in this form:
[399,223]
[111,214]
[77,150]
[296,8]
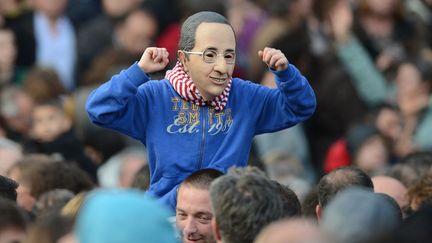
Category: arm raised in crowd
[115,103]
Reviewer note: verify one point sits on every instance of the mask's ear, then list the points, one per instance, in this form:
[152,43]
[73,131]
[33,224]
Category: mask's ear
[183,59]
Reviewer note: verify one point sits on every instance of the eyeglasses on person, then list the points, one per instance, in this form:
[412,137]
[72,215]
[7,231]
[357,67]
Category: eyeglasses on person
[210,55]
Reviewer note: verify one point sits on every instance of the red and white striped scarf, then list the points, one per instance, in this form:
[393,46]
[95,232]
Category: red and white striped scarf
[186,88]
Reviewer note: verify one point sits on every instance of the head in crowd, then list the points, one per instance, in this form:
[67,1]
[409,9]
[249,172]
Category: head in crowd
[193,210]
[291,201]
[37,174]
[13,222]
[358,215]
[404,173]
[420,194]
[291,230]
[388,121]
[25,172]
[393,188]
[338,180]
[136,32]
[49,228]
[368,148]
[43,84]
[400,46]
[8,188]
[413,86]
[236,199]
[10,153]
[197,33]
[16,109]
[123,216]
[420,163]
[49,121]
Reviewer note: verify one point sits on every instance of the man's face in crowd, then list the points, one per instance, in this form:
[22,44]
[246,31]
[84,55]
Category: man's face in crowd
[211,78]
[193,215]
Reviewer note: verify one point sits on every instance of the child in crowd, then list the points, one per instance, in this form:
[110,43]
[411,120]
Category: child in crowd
[52,133]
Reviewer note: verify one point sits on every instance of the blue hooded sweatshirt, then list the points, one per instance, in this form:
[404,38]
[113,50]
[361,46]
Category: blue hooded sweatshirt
[182,137]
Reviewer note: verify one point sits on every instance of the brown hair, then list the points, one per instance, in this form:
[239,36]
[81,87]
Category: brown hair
[421,192]
[42,84]
[44,173]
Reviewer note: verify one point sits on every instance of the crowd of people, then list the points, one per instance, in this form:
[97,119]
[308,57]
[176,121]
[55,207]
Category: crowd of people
[329,141]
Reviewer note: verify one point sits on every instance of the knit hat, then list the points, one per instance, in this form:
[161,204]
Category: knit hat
[123,216]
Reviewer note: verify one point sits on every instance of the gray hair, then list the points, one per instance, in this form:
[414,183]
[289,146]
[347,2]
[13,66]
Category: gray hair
[244,201]
[189,27]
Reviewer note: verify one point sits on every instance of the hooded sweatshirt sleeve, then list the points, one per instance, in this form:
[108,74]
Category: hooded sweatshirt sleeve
[291,103]
[118,105]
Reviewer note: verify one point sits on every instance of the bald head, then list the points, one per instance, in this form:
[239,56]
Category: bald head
[392,187]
